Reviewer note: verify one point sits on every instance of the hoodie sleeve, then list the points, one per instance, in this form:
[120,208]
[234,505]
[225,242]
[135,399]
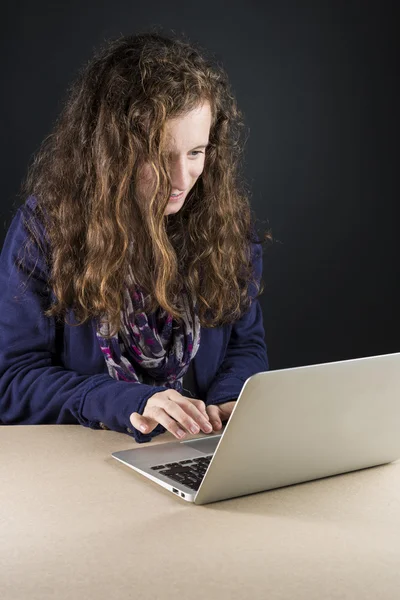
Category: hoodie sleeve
[33,387]
[246,352]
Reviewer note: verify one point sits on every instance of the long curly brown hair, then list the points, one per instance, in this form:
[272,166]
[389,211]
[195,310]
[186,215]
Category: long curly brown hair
[84,173]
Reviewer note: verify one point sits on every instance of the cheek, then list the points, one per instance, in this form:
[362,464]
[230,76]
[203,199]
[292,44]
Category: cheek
[197,171]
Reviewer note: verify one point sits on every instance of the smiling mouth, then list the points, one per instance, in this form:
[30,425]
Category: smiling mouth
[174,198]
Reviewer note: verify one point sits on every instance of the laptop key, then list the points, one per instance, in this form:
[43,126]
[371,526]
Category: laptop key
[197,468]
[193,486]
[180,469]
[176,477]
[169,472]
[192,478]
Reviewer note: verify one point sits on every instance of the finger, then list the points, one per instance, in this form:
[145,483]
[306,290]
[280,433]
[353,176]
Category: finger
[185,413]
[145,424]
[214,415]
[172,394]
[201,406]
[197,414]
[163,417]
[197,419]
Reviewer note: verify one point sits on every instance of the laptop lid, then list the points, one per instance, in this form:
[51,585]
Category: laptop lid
[303,423]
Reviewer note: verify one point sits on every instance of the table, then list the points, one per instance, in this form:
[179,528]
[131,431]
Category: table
[77,524]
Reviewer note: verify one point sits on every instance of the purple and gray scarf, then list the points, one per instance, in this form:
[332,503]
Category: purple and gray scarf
[153,349]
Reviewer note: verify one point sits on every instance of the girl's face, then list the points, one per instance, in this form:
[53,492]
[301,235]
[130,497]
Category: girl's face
[187,138]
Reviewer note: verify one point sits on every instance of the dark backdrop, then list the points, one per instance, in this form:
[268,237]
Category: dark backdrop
[316,83]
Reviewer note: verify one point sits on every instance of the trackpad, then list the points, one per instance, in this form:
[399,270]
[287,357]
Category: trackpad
[206,444]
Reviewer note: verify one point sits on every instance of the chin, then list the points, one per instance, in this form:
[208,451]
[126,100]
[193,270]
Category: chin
[170,210]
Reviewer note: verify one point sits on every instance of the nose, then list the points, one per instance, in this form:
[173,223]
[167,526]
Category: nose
[180,175]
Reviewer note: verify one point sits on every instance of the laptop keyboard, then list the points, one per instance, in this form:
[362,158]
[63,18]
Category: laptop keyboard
[188,472]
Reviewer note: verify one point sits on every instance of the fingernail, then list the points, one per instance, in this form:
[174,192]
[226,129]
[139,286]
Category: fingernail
[208,427]
[194,429]
[180,433]
[143,427]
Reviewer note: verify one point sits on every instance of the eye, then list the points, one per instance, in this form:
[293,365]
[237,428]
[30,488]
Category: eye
[197,152]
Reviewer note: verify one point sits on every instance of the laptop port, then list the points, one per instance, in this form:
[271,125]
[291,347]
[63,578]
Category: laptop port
[175,490]
[182,494]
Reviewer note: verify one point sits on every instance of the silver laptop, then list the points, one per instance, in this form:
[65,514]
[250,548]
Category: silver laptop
[288,426]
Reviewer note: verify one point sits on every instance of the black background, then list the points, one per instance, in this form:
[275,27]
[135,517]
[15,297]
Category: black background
[316,82]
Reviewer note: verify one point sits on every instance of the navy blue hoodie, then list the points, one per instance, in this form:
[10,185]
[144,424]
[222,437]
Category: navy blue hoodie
[52,373]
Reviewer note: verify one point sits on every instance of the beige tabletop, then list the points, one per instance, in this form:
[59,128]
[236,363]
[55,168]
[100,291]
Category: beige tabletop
[77,524]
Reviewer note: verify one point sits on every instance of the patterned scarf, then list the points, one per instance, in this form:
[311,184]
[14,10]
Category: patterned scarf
[153,349]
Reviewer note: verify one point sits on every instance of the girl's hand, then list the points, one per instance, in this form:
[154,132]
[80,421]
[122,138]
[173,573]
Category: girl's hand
[219,412]
[175,412]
